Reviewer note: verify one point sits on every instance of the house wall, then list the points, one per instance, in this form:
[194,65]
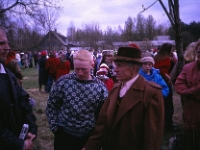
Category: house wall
[50,42]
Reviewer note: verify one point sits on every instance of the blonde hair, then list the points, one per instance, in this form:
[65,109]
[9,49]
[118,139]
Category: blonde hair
[197,44]
[83,55]
[189,54]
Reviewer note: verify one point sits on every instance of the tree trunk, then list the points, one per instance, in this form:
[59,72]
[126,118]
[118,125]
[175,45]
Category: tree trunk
[178,36]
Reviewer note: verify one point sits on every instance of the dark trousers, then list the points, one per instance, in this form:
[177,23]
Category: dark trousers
[64,141]
[50,81]
[169,108]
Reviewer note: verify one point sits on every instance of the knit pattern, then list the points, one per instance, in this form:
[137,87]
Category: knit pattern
[74,104]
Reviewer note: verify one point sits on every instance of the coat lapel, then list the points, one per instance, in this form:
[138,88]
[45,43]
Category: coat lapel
[12,80]
[130,99]
[111,112]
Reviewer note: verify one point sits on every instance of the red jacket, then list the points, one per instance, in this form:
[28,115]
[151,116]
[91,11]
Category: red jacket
[109,83]
[62,68]
[188,85]
[51,65]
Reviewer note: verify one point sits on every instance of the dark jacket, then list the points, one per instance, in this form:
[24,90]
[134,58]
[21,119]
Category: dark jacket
[10,126]
[136,125]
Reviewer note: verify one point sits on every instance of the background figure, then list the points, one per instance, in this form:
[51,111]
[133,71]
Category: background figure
[30,59]
[132,117]
[74,104]
[189,56]
[14,107]
[51,65]
[163,63]
[18,57]
[26,60]
[107,58]
[35,58]
[102,74]
[97,63]
[13,65]
[63,66]
[188,85]
[42,73]
[151,74]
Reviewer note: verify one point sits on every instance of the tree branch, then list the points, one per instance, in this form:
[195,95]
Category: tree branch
[170,18]
[10,7]
[148,7]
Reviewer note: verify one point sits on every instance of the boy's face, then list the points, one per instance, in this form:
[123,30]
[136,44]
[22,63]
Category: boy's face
[147,66]
[82,69]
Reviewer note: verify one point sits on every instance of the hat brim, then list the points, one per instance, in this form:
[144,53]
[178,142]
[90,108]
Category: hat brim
[120,58]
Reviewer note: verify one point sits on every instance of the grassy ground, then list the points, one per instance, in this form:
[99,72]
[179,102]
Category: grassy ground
[45,137]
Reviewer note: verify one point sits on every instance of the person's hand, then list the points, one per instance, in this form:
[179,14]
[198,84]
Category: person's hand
[30,136]
[29,141]
[168,79]
[83,148]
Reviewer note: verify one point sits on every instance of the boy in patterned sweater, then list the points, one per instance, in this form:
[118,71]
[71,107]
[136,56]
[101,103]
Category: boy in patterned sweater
[74,104]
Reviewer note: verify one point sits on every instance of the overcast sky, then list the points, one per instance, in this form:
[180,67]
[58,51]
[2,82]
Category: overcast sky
[115,12]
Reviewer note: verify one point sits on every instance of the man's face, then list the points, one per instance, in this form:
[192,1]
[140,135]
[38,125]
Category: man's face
[146,67]
[124,71]
[82,69]
[3,46]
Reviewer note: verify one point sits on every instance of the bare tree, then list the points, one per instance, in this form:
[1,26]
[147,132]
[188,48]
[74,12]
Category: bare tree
[24,9]
[128,32]
[47,19]
[150,27]
[174,18]
[71,32]
[140,27]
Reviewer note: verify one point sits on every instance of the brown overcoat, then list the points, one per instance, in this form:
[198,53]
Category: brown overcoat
[136,125]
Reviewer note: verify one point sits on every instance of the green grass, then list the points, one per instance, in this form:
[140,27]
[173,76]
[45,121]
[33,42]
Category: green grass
[45,137]
[30,79]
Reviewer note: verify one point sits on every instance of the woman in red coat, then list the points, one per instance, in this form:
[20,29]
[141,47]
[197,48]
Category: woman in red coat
[188,85]
[63,66]
[163,62]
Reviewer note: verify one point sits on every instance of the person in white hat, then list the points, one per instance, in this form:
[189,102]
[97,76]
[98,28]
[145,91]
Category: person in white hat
[102,74]
[151,74]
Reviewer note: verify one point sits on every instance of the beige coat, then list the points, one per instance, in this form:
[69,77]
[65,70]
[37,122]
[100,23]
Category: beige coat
[136,125]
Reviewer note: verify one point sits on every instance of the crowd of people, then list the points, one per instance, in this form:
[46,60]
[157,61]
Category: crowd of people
[110,101]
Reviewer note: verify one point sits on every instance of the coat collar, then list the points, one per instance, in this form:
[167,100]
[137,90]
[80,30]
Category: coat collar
[131,98]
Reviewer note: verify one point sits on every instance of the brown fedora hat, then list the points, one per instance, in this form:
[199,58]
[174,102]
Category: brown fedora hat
[130,54]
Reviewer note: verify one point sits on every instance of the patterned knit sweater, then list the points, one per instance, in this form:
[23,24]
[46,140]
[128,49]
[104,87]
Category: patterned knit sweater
[74,104]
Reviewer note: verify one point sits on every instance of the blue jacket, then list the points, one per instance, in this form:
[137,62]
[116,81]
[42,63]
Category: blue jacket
[156,77]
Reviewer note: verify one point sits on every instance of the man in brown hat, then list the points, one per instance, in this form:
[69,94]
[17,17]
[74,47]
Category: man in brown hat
[132,117]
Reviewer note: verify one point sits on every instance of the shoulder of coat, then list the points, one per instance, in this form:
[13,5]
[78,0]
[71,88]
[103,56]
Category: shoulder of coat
[153,84]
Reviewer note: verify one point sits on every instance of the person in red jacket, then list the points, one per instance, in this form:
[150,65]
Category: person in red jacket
[188,85]
[51,65]
[163,62]
[63,66]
